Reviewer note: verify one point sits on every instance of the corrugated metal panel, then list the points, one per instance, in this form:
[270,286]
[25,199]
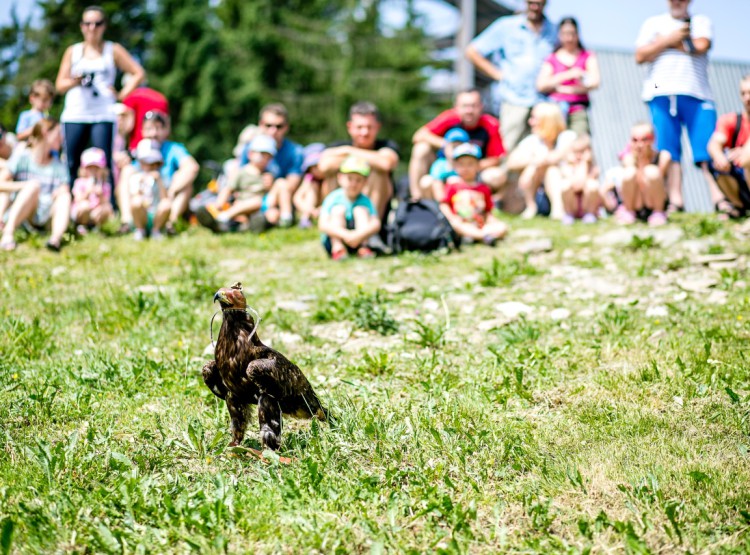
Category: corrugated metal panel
[617,105]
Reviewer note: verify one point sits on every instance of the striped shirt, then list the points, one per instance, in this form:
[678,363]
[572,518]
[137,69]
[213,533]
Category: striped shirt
[673,72]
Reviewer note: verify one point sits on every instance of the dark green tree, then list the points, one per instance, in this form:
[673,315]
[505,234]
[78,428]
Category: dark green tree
[186,63]
[318,57]
[219,64]
[34,52]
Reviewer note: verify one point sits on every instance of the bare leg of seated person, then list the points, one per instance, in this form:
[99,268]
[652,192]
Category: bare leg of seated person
[431,189]
[379,189]
[553,187]
[122,193]
[674,185]
[139,212]
[422,156]
[592,200]
[60,217]
[240,208]
[529,181]
[654,194]
[162,214]
[338,219]
[180,191]
[569,199]
[22,209]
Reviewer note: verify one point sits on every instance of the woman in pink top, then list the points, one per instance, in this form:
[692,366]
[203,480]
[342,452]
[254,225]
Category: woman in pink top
[567,76]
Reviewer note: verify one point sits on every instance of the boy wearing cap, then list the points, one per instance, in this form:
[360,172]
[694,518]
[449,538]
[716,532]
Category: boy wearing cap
[348,218]
[433,183]
[468,114]
[149,202]
[179,168]
[249,188]
[91,191]
[467,203]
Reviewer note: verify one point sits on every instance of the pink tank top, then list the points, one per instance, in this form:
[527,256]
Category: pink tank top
[576,101]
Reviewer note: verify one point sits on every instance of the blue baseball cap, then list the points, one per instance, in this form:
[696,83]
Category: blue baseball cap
[457,135]
[467,149]
[263,143]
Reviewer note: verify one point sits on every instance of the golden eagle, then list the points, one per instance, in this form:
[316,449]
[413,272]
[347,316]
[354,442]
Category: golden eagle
[246,372]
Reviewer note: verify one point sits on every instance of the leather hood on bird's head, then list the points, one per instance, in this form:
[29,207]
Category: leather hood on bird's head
[231,297]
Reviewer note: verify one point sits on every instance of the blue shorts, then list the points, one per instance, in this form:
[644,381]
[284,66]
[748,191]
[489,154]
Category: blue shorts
[670,113]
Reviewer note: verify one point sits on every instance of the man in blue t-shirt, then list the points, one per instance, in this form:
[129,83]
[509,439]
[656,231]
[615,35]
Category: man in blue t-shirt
[511,51]
[286,165]
[178,171]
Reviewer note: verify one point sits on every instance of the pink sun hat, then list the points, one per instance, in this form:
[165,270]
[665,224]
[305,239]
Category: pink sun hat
[93,157]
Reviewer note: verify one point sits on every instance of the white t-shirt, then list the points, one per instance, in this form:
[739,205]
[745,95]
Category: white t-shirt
[673,72]
[95,101]
[534,144]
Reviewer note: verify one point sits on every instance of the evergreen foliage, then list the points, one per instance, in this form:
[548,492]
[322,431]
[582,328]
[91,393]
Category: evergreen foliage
[31,52]
[219,63]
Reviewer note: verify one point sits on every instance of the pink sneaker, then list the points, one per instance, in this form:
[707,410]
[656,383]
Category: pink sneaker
[657,218]
[624,216]
[589,218]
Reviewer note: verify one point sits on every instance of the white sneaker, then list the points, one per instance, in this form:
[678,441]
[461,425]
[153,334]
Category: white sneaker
[139,234]
[156,235]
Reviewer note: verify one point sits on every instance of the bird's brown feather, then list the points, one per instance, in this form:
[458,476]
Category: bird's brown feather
[247,372]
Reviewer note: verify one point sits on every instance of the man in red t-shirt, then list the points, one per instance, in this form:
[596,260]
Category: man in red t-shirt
[729,148]
[483,129]
[143,100]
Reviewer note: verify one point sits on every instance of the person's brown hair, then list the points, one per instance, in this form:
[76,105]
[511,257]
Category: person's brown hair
[364,108]
[95,9]
[277,108]
[40,129]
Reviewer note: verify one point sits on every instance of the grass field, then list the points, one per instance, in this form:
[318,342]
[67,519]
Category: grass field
[594,398]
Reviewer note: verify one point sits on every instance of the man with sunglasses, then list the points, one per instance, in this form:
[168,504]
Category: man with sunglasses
[674,47]
[286,165]
[511,52]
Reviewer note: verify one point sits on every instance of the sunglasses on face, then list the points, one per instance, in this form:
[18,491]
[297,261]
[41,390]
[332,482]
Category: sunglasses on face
[97,24]
[645,139]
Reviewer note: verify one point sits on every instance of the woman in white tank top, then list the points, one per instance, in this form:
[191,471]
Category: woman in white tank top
[87,77]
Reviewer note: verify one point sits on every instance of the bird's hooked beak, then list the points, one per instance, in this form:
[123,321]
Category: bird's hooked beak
[221,296]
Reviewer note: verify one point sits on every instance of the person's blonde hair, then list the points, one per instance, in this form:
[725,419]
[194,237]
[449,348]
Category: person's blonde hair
[40,129]
[44,86]
[645,125]
[550,121]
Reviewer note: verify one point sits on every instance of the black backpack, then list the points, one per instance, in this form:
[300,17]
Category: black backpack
[420,226]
